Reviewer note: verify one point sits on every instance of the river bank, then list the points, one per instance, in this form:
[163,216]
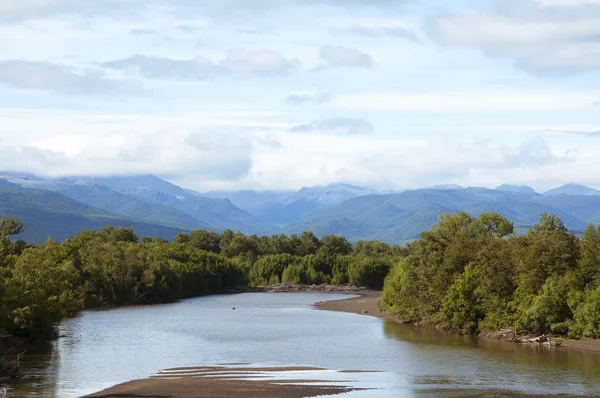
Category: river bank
[367,304]
[280,329]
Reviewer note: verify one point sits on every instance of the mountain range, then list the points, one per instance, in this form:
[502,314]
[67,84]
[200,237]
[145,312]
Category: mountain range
[285,208]
[61,207]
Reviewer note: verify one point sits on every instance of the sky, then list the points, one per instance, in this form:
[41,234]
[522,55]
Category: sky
[281,94]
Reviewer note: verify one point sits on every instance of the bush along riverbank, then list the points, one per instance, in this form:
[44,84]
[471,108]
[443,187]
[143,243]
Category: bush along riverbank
[42,284]
[474,275]
[465,274]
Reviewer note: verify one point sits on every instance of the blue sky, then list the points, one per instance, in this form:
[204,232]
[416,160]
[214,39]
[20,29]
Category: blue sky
[280,94]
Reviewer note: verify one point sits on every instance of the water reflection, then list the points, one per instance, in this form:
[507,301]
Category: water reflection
[496,364]
[101,348]
[39,364]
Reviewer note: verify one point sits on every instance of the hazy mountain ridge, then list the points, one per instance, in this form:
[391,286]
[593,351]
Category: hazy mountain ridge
[150,198]
[114,202]
[573,190]
[516,188]
[62,205]
[48,213]
[402,217]
[284,208]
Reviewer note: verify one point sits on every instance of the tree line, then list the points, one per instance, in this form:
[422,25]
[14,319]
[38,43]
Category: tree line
[474,274]
[466,273]
[42,284]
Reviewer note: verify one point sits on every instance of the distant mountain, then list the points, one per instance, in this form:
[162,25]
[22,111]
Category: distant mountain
[254,202]
[402,217]
[586,207]
[285,208]
[516,188]
[446,187]
[114,202]
[145,187]
[149,198]
[63,206]
[572,189]
[217,214]
[48,213]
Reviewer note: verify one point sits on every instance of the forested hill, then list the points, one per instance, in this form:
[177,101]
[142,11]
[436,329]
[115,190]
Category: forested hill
[402,217]
[48,213]
[63,207]
[60,207]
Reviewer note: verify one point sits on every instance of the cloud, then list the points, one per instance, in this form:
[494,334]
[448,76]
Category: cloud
[595,133]
[187,29]
[240,62]
[198,68]
[16,9]
[12,10]
[339,125]
[38,75]
[234,157]
[237,63]
[470,101]
[211,152]
[541,37]
[308,98]
[479,163]
[338,56]
[396,163]
[143,32]
[532,153]
[380,31]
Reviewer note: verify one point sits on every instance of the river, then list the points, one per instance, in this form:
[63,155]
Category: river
[99,349]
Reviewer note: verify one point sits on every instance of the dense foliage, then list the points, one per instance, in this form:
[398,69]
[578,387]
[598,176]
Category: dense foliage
[474,274]
[465,273]
[42,284]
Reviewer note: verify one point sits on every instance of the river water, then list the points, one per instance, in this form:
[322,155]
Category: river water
[99,349]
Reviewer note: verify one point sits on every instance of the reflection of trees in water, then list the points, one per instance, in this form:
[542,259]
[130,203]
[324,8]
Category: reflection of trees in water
[560,361]
[428,335]
[39,368]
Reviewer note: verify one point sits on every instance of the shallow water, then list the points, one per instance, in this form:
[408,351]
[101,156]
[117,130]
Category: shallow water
[103,348]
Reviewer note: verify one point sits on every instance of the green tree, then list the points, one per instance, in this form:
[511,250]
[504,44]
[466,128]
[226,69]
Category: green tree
[369,272]
[588,272]
[308,244]
[32,308]
[269,269]
[332,245]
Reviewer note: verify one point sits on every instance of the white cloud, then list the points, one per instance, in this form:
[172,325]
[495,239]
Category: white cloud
[207,153]
[308,98]
[338,125]
[399,32]
[540,36]
[237,63]
[399,164]
[443,114]
[340,56]
[23,9]
[572,3]
[62,79]
[484,101]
